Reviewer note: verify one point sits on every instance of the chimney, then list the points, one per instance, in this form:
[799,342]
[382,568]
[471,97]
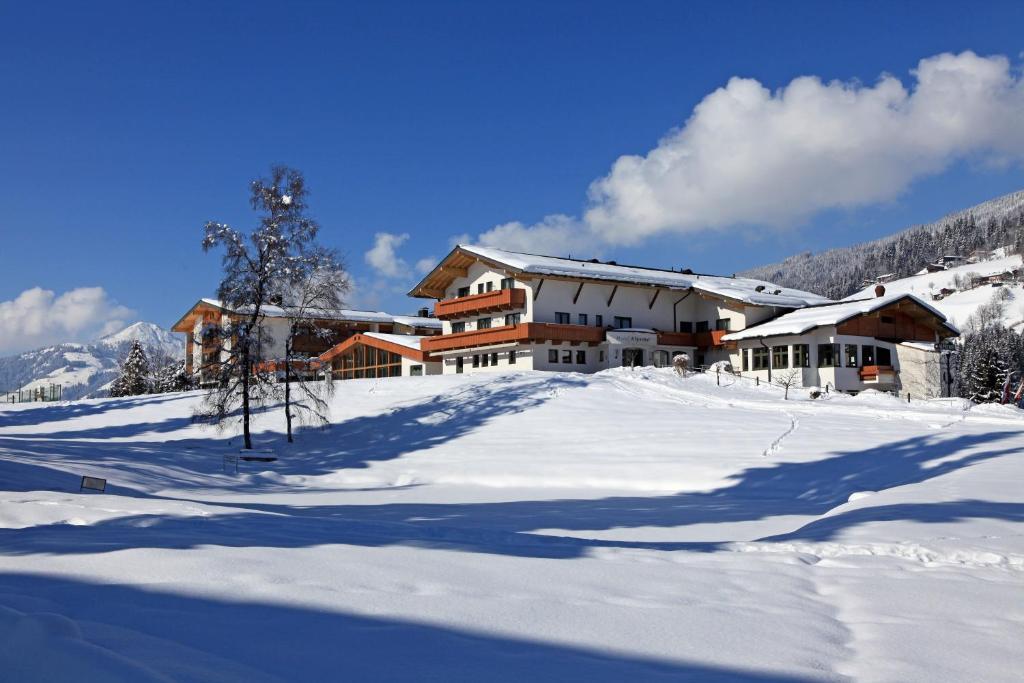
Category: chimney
[423,312]
[879,290]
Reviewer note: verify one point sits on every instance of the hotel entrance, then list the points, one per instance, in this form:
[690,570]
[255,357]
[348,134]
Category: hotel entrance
[632,357]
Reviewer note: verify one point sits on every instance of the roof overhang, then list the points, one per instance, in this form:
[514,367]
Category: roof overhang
[187,321]
[383,344]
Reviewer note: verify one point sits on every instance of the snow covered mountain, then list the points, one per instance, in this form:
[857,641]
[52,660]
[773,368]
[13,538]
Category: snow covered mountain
[82,369]
[838,273]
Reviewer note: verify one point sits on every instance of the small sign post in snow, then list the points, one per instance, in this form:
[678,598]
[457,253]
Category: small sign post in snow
[93,484]
[230,459]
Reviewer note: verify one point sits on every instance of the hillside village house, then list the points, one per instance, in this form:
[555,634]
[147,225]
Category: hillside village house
[504,310]
[379,344]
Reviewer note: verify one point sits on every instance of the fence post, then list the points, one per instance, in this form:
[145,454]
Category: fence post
[718,376]
[908,397]
[757,381]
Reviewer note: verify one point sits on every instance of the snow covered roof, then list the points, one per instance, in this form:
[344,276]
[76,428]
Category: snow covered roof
[803,320]
[747,290]
[344,314]
[411,341]
[407,345]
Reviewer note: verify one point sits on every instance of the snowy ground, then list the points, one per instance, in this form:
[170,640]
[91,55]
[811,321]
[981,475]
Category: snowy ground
[546,526]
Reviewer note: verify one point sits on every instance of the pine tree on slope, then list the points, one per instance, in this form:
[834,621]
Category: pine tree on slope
[134,377]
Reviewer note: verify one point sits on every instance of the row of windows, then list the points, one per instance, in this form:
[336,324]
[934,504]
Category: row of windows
[567,356]
[483,360]
[829,356]
[483,287]
[486,323]
[705,326]
[619,321]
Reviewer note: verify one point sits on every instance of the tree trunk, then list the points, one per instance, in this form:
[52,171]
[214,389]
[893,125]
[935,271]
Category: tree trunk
[246,369]
[288,388]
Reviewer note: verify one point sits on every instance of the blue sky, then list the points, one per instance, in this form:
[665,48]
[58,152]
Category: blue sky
[125,126]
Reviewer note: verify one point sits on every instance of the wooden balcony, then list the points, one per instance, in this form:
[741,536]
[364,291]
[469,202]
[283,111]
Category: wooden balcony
[515,334]
[711,338]
[675,339]
[488,302]
[877,373]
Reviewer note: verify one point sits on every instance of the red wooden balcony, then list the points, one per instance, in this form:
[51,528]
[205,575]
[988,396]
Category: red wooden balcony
[675,339]
[488,302]
[879,373]
[711,338]
[523,332]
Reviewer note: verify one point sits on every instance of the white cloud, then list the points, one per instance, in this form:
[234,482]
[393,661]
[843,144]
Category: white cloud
[425,265]
[38,317]
[751,156]
[382,256]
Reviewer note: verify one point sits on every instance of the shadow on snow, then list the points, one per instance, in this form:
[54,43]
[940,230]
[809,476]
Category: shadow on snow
[787,489]
[129,633]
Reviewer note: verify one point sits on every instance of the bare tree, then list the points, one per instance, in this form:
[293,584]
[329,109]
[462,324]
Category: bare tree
[258,268]
[793,377]
[319,293]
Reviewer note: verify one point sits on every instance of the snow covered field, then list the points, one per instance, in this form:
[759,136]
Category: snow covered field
[546,526]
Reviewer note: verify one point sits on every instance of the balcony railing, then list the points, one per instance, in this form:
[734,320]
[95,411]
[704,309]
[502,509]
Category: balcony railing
[488,302]
[710,338]
[523,332]
[877,372]
[675,339]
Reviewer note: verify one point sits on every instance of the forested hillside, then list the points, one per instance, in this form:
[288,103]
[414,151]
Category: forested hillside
[838,273]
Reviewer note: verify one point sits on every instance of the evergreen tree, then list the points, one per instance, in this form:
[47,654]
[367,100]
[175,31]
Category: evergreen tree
[134,378]
[172,377]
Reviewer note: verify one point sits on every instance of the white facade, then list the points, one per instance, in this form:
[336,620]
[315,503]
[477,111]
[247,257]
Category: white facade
[586,316]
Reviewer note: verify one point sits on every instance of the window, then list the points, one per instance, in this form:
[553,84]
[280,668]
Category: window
[600,355]
[513,318]
[483,324]
[851,355]
[660,359]
[599,320]
[485,360]
[562,318]
[463,291]
[828,355]
[566,356]
[759,359]
[415,370]
[745,359]
[363,360]
[685,326]
[508,283]
[723,324]
[476,361]
[458,327]
[480,288]
[622,322]
[888,319]
[884,356]
[494,359]
[581,319]
[700,360]
[458,365]
[780,356]
[581,357]
[801,356]
[490,286]
[702,326]
[552,355]
[867,355]
[512,357]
